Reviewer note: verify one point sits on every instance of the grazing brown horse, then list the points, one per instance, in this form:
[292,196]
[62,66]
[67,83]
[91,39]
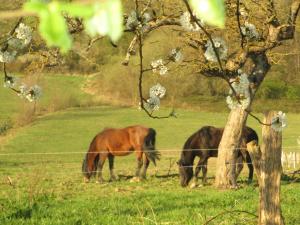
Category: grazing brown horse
[120,142]
[204,144]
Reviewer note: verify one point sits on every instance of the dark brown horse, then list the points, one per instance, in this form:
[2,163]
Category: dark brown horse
[120,142]
[200,143]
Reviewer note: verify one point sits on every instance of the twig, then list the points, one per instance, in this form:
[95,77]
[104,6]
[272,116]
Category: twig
[239,22]
[92,41]
[139,36]
[7,77]
[10,14]
[228,212]
[140,85]
[205,32]
[170,166]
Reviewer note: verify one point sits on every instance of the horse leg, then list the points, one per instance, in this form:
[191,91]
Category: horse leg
[146,164]
[250,167]
[102,158]
[111,158]
[239,166]
[200,165]
[204,171]
[139,158]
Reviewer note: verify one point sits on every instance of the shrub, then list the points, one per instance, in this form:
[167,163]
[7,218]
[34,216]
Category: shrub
[272,89]
[5,126]
[293,92]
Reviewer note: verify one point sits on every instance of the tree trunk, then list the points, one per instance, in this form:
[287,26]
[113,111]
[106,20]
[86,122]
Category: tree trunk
[227,152]
[267,164]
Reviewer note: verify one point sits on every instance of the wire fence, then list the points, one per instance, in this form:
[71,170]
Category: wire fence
[290,160]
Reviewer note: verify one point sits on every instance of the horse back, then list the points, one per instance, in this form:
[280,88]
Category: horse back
[138,135]
[204,142]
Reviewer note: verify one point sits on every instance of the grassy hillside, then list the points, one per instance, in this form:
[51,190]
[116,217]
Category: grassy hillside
[48,188]
[58,92]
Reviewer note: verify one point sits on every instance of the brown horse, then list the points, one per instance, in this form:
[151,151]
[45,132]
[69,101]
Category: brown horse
[120,142]
[204,144]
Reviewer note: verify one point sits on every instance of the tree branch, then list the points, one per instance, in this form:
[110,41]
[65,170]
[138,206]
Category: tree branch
[205,31]
[228,212]
[239,22]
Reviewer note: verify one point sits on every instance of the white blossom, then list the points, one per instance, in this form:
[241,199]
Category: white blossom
[232,103]
[163,70]
[279,122]
[10,81]
[24,33]
[185,22]
[23,89]
[249,30]
[241,85]
[159,67]
[16,43]
[157,63]
[147,17]
[153,103]
[157,91]
[175,55]
[221,48]
[31,94]
[132,20]
[241,97]
[7,57]
[243,12]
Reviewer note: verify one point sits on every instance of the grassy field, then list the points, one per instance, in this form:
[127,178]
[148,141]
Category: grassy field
[48,189]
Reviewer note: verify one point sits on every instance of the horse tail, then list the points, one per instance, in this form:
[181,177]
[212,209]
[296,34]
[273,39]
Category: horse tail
[149,144]
[251,135]
[85,169]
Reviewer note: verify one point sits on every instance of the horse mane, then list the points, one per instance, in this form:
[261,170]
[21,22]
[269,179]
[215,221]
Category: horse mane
[84,163]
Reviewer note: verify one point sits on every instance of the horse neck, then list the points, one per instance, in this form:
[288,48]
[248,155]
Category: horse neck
[188,156]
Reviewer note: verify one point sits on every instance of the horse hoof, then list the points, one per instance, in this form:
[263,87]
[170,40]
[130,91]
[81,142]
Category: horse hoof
[112,179]
[86,180]
[234,187]
[193,185]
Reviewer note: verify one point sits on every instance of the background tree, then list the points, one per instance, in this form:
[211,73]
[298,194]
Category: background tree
[240,55]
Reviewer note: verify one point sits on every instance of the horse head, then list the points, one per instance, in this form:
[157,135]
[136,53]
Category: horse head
[185,172]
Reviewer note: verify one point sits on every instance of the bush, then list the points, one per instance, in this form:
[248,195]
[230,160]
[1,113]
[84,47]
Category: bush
[5,126]
[293,92]
[272,89]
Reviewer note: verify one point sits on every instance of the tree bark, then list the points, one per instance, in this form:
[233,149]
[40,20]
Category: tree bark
[227,152]
[267,165]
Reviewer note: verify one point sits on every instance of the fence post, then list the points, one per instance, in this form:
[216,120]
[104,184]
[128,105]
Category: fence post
[267,164]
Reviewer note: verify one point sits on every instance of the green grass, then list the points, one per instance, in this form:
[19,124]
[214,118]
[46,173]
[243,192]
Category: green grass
[48,189]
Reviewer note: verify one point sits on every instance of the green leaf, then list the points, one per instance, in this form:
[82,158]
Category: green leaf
[102,17]
[211,11]
[52,25]
[107,20]
[78,10]
[35,6]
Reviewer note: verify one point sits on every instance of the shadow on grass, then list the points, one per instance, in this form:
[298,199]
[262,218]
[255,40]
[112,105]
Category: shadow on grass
[25,213]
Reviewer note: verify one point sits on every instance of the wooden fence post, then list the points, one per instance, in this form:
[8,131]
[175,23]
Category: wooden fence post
[267,164]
